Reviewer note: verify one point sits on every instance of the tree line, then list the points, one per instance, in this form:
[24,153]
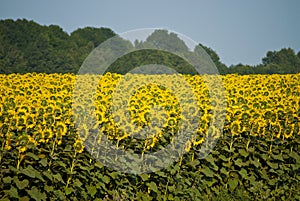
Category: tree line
[26,46]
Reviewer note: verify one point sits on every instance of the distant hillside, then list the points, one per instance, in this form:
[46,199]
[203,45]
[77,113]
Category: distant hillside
[26,46]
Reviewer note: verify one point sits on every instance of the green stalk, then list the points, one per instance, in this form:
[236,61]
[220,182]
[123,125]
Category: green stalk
[71,170]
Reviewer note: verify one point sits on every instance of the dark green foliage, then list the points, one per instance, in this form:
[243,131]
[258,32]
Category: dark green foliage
[26,46]
[238,168]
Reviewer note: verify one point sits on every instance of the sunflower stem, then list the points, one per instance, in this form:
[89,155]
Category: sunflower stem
[71,169]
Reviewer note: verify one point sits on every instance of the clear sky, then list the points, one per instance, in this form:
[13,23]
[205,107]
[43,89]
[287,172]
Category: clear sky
[239,31]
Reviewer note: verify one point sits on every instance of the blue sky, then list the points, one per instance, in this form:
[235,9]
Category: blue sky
[239,31]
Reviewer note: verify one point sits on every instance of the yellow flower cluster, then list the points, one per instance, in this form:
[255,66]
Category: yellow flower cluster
[263,104]
[37,109]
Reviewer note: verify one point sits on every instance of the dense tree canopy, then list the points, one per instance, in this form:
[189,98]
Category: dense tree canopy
[26,46]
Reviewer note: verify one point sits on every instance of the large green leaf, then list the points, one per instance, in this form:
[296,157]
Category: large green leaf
[272,165]
[153,186]
[223,158]
[243,152]
[255,162]
[32,155]
[44,162]
[238,162]
[144,177]
[31,172]
[194,163]
[7,180]
[92,190]
[277,157]
[35,194]
[233,183]
[207,171]
[58,177]
[13,192]
[21,184]
[243,172]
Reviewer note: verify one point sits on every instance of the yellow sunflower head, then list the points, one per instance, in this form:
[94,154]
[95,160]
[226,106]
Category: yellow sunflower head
[78,146]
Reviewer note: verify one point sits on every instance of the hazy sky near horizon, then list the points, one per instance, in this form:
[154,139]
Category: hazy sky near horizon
[239,31]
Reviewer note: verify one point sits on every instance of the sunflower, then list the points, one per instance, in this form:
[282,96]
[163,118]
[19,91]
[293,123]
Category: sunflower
[78,146]
[47,133]
[289,131]
[197,142]
[20,123]
[39,137]
[30,123]
[61,128]
[22,142]
[172,122]
[152,141]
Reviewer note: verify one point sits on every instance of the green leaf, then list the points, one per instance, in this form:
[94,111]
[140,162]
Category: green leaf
[29,171]
[295,166]
[238,162]
[228,150]
[42,156]
[223,158]
[277,157]
[69,190]
[207,171]
[62,164]
[209,158]
[13,192]
[273,165]
[5,199]
[263,174]
[44,162]
[251,149]
[243,152]
[152,186]
[32,155]
[98,165]
[49,188]
[22,184]
[272,182]
[60,194]
[25,198]
[243,173]
[209,183]
[171,188]
[264,156]
[12,168]
[295,155]
[105,179]
[256,162]
[223,171]
[92,190]
[252,180]
[233,183]
[163,174]
[193,163]
[114,175]
[68,148]
[58,177]
[7,180]
[77,183]
[36,194]
[144,177]
[48,174]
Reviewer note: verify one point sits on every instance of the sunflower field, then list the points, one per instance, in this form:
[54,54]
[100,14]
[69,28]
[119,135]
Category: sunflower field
[44,136]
